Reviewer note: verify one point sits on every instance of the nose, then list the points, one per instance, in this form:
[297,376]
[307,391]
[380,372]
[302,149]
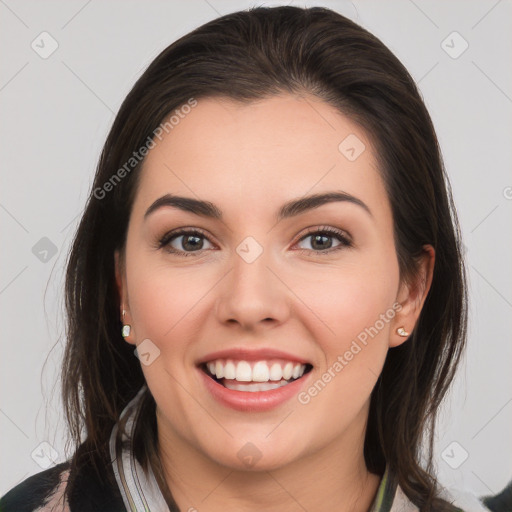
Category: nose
[252,295]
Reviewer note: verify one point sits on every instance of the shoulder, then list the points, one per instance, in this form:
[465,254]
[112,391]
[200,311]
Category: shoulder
[64,490]
[463,501]
[36,491]
[391,498]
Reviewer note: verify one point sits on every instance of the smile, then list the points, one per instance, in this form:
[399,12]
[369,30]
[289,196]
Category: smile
[254,376]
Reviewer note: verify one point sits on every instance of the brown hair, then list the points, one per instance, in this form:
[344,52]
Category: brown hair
[246,56]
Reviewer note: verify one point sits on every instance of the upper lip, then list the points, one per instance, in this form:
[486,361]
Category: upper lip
[246,354]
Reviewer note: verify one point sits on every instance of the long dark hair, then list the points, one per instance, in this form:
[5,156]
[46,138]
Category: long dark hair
[246,56]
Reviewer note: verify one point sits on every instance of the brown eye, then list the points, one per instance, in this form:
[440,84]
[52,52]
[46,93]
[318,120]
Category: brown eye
[184,242]
[322,240]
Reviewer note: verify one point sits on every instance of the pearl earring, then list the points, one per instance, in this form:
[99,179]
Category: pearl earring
[402,332]
[126,328]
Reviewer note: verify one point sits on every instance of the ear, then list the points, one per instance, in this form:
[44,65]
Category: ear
[411,296]
[123,295]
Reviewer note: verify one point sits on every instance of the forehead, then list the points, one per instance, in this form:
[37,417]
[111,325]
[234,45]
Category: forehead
[276,148]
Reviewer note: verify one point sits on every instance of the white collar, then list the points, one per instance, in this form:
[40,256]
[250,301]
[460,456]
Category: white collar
[139,492]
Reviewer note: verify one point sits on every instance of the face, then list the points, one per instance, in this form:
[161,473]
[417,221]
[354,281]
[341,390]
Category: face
[252,289]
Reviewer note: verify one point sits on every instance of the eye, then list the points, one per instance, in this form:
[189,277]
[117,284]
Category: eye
[321,239]
[184,242]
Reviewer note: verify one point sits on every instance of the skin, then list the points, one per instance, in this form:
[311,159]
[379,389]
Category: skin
[249,160]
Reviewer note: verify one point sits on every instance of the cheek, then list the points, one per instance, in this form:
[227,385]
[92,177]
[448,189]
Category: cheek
[356,311]
[162,300]
[165,304]
[352,298]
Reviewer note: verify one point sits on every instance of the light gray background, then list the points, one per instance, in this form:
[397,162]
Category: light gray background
[56,113]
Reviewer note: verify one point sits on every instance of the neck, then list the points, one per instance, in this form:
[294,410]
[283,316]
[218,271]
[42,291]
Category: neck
[334,478]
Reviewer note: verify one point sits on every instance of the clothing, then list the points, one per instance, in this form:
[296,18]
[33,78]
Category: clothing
[135,491]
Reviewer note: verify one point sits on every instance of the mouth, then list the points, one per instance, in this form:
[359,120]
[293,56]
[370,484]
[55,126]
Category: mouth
[254,376]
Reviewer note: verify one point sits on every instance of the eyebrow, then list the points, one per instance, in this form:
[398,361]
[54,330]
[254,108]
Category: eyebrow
[289,209]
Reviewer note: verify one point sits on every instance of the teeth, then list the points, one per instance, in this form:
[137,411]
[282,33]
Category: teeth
[219,369]
[243,371]
[257,386]
[288,371]
[276,372]
[259,371]
[230,371]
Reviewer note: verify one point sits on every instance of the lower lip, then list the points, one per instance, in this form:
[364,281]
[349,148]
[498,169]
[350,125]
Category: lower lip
[252,401]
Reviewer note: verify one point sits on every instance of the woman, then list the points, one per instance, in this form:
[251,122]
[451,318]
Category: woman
[271,233]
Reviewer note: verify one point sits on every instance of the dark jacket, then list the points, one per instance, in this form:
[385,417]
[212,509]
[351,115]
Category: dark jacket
[89,492]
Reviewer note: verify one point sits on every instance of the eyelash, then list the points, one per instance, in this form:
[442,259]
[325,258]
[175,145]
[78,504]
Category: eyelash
[346,242]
